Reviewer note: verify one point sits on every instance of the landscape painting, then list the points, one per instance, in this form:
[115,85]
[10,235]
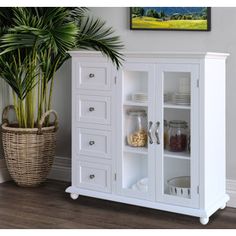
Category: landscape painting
[170,18]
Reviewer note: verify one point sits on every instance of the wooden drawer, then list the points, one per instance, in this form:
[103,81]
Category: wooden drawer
[94,176]
[96,143]
[95,76]
[93,109]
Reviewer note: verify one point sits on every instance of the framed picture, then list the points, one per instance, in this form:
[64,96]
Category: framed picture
[170,18]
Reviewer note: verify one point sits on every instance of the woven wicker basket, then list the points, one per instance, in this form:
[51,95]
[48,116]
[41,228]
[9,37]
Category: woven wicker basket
[29,153]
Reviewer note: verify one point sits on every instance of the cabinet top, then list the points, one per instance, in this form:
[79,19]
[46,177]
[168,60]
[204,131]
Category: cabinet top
[173,54]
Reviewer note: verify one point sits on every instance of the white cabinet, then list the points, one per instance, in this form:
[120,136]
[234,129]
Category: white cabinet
[175,160]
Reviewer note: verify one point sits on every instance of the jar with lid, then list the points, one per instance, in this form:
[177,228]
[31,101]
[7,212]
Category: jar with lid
[178,131]
[136,128]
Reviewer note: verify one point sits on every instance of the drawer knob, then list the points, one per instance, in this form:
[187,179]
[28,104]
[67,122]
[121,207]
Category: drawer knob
[92,176]
[91,109]
[91,75]
[91,143]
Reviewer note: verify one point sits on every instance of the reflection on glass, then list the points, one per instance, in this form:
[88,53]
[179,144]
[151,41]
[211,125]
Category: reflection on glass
[177,94]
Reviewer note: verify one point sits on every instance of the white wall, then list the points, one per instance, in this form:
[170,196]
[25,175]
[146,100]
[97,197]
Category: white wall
[222,38]
[62,104]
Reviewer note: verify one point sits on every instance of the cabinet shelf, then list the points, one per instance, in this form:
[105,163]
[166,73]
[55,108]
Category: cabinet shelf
[130,103]
[174,106]
[178,155]
[136,150]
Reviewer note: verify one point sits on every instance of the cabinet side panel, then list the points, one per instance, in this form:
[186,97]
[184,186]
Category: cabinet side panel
[73,121]
[214,131]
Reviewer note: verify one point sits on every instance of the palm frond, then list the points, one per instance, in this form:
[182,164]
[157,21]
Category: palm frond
[22,16]
[34,44]
[52,64]
[94,34]
[77,14]
[18,75]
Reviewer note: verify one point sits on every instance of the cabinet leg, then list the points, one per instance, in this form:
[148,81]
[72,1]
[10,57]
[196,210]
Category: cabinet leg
[223,206]
[204,220]
[74,196]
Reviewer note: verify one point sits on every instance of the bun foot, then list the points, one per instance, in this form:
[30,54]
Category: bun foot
[74,196]
[204,220]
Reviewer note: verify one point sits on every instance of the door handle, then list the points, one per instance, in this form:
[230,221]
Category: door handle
[157,132]
[150,132]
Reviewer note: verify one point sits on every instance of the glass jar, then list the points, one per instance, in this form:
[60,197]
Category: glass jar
[165,134]
[178,131]
[136,128]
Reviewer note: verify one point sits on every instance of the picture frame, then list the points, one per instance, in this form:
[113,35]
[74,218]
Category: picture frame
[170,18]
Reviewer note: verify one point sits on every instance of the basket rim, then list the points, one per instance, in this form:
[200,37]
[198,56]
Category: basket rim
[178,177]
[9,129]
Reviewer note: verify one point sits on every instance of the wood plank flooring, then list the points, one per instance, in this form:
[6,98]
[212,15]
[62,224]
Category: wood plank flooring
[49,207]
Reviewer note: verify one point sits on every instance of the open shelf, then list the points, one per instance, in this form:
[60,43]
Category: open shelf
[136,81]
[135,167]
[139,188]
[172,105]
[131,103]
[178,155]
[136,150]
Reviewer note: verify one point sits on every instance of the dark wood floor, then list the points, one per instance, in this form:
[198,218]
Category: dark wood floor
[49,207]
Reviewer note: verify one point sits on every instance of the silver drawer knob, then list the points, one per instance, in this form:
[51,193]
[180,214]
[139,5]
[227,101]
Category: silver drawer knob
[92,176]
[91,75]
[91,109]
[91,143]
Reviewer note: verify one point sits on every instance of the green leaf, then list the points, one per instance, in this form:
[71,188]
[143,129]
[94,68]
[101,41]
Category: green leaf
[34,44]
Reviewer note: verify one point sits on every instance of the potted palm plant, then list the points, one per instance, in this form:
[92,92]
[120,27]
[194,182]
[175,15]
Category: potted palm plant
[33,45]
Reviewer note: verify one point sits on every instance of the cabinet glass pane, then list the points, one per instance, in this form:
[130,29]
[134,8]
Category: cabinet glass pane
[177,134]
[135,172]
[136,86]
[135,133]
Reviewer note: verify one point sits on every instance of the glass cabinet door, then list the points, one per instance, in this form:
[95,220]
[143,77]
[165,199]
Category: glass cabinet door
[177,116]
[135,167]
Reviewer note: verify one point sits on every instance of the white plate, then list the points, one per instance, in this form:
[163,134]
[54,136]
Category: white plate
[139,97]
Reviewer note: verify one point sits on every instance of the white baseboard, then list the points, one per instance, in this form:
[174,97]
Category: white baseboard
[231,190]
[4,175]
[61,170]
